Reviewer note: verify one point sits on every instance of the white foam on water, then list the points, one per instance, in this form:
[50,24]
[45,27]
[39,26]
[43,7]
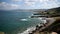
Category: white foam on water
[29,30]
[44,21]
[24,19]
[40,18]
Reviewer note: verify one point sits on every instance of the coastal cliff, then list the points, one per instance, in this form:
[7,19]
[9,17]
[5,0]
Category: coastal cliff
[53,22]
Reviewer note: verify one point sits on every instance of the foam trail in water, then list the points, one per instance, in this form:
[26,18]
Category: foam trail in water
[24,19]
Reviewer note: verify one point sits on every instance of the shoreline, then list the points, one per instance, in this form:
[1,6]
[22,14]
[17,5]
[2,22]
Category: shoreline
[40,28]
[30,29]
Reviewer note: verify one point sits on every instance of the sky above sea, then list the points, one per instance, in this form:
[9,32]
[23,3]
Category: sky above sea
[28,4]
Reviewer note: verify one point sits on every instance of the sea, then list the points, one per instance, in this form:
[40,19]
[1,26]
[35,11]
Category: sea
[17,22]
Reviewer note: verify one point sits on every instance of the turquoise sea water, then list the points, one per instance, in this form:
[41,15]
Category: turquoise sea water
[16,21]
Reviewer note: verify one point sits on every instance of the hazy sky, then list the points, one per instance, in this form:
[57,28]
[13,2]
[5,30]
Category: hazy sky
[28,4]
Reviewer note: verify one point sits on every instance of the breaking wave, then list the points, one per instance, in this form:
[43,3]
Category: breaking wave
[29,30]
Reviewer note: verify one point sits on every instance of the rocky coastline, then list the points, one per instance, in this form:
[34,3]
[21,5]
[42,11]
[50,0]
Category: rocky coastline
[43,27]
[53,22]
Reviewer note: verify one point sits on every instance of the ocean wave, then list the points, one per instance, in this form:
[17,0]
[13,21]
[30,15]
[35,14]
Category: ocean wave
[29,30]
